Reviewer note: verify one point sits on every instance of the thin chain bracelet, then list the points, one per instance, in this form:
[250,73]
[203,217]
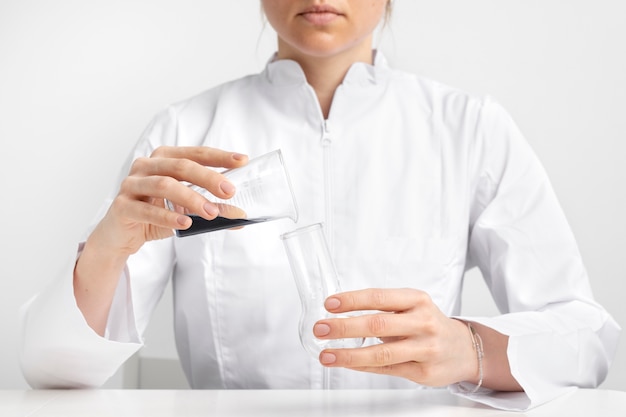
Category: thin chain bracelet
[477,344]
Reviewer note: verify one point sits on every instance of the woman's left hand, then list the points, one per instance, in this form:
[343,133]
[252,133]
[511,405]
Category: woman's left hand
[419,342]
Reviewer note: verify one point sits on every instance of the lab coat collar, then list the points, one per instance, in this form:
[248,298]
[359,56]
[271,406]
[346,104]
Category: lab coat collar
[286,72]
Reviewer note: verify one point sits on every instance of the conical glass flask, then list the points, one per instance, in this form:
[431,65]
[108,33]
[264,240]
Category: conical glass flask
[316,279]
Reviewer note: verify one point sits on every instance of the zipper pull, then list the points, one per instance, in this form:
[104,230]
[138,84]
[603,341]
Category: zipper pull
[326,140]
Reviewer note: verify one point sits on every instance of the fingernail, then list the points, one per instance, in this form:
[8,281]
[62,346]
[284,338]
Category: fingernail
[183,220]
[227,188]
[332,303]
[211,209]
[238,157]
[321,329]
[327,358]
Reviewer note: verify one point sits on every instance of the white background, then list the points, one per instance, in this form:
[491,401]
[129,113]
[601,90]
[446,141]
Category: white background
[80,79]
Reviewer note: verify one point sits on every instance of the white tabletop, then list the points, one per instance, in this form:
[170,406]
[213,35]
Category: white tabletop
[277,403]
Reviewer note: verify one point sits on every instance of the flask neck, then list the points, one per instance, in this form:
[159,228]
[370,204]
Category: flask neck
[311,264]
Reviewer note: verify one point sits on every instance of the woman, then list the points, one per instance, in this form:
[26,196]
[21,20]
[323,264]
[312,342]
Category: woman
[415,182]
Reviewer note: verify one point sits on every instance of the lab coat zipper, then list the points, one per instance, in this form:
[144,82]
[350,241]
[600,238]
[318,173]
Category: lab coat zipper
[325,142]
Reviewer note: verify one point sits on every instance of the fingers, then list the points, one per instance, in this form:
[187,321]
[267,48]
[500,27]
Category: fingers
[144,212]
[203,155]
[413,371]
[229,211]
[402,312]
[398,359]
[419,341]
[381,325]
[140,190]
[401,358]
[383,354]
[181,170]
[390,300]
[189,164]
[159,177]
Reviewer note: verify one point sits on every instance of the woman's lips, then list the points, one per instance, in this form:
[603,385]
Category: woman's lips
[320,15]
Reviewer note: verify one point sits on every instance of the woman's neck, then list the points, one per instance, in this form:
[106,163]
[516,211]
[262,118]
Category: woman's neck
[325,73]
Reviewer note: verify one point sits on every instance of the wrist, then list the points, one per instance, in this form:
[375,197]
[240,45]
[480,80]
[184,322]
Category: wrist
[100,258]
[96,276]
[473,354]
[102,255]
[107,239]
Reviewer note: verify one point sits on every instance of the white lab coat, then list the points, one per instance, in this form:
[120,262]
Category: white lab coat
[415,182]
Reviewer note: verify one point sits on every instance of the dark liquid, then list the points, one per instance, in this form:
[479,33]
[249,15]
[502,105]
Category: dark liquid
[201,225]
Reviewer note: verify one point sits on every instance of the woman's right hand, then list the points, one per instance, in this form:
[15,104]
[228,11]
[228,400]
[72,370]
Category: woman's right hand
[138,213]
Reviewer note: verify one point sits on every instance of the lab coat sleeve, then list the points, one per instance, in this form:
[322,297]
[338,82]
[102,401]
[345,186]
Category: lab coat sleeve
[58,348]
[559,336]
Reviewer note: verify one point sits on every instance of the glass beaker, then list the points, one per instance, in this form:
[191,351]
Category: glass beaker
[263,193]
[316,278]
